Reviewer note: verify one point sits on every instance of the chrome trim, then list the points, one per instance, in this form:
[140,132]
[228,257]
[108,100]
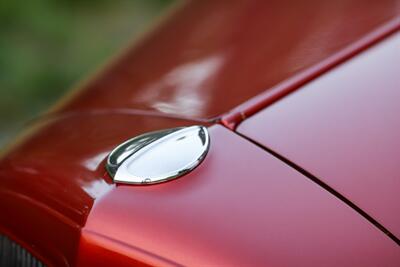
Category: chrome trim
[160,156]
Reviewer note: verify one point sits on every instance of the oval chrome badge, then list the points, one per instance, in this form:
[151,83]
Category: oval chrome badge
[160,156]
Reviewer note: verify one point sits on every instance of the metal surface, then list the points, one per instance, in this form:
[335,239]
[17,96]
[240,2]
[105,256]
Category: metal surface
[277,92]
[158,156]
[212,56]
[55,173]
[240,207]
[344,128]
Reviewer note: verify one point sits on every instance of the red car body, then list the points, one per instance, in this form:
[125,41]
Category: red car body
[301,102]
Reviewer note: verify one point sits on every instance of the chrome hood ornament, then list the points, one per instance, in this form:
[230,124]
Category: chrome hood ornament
[160,156]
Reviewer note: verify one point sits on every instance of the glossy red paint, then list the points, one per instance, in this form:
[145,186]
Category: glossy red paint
[240,207]
[257,103]
[344,128]
[50,180]
[213,55]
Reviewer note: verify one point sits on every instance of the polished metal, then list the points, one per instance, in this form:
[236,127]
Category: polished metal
[160,156]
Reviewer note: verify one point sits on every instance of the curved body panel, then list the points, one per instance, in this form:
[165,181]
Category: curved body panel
[344,128]
[52,177]
[213,55]
[241,207]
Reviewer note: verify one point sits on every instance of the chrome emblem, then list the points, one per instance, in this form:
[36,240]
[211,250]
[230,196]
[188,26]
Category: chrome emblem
[160,156]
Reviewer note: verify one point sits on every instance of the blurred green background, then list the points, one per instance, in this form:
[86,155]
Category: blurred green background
[47,46]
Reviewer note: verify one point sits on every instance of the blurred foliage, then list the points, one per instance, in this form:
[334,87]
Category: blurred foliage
[46,46]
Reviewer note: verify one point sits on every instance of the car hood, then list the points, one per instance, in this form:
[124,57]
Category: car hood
[52,175]
[344,128]
[211,56]
[241,206]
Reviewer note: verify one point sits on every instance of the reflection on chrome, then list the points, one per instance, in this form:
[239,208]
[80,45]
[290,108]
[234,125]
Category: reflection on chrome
[158,156]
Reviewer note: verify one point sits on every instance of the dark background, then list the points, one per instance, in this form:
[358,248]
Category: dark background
[48,46]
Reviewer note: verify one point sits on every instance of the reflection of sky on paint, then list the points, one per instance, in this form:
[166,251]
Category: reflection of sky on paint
[92,163]
[187,81]
[96,188]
